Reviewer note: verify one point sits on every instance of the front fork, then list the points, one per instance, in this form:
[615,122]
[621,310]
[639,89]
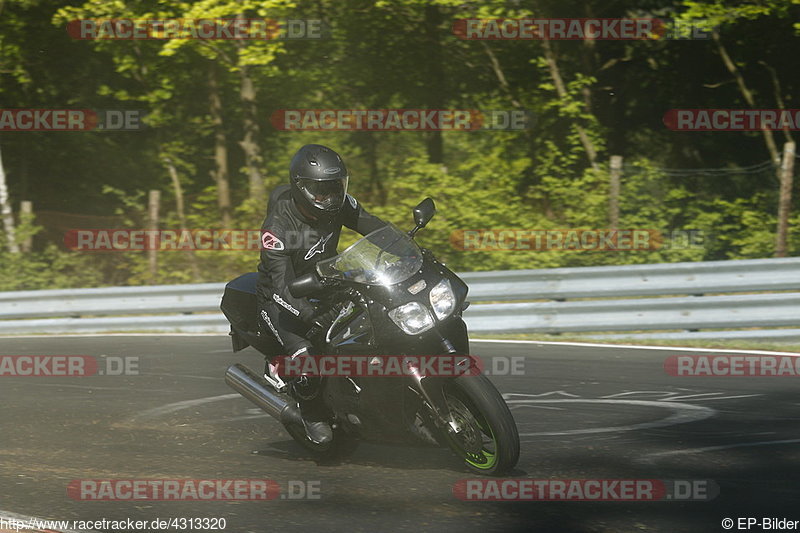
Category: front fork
[431,389]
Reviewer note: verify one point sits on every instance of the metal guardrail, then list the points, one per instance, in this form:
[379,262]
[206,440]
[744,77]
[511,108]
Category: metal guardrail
[155,299]
[668,296]
[636,280]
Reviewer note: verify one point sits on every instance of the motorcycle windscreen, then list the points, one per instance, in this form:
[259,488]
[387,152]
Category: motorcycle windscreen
[384,257]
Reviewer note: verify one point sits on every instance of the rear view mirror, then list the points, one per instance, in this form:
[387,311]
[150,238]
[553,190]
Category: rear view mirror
[423,214]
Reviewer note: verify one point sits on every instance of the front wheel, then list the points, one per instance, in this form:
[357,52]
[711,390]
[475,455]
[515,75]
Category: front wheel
[486,435]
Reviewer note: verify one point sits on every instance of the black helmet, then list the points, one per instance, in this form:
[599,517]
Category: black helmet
[318,179]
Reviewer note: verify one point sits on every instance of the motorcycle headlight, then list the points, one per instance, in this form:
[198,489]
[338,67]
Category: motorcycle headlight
[443,299]
[413,318]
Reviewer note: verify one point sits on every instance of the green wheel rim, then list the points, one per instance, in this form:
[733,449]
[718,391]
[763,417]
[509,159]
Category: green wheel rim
[484,460]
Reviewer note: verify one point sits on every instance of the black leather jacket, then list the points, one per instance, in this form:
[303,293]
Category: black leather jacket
[292,244]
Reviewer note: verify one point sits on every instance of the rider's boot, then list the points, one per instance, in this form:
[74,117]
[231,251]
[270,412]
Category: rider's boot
[318,430]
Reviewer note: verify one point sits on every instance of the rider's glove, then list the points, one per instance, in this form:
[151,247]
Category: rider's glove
[307,315]
[324,320]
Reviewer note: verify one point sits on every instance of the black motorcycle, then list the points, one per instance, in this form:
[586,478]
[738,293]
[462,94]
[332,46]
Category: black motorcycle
[395,299]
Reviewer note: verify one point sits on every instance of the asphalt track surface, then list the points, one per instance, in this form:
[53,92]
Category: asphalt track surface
[584,412]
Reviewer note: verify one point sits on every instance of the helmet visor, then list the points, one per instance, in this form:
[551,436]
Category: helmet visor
[327,195]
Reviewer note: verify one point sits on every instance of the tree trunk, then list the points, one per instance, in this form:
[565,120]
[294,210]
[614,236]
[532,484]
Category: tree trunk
[153,200]
[589,56]
[26,217]
[7,213]
[785,202]
[177,189]
[500,75]
[561,91]
[220,172]
[376,187]
[435,75]
[776,86]
[179,208]
[613,196]
[249,143]
[772,148]
[529,177]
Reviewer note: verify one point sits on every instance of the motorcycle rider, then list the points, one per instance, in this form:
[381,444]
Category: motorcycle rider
[303,224]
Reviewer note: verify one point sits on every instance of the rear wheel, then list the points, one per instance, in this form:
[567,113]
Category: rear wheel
[486,436]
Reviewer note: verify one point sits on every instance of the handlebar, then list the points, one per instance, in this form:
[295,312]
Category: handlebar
[309,284]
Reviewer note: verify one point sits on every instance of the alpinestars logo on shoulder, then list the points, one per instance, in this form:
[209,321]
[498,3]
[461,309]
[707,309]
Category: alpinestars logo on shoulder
[319,247]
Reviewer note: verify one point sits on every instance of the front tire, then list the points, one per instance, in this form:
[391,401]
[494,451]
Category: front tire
[488,439]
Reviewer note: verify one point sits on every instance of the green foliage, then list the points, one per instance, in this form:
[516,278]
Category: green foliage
[398,54]
[50,268]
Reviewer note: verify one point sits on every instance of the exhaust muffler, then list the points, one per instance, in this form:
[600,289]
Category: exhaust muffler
[256,389]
